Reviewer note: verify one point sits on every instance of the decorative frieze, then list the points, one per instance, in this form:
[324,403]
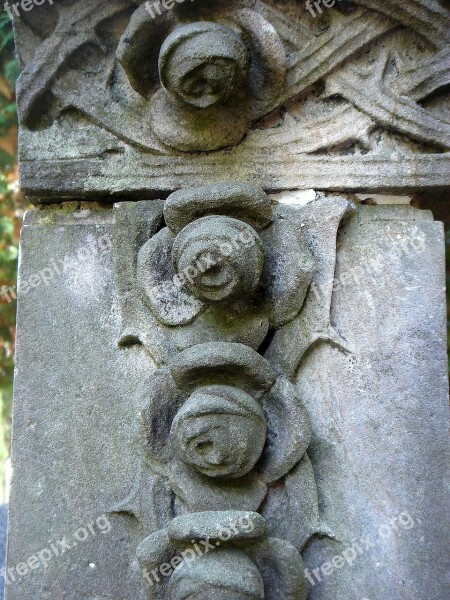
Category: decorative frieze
[204,294]
[140,101]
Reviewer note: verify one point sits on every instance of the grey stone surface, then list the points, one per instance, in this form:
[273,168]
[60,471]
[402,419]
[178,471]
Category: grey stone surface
[74,416]
[202,66]
[220,431]
[338,97]
[3,528]
[218,279]
[243,563]
[380,414]
[235,364]
[242,526]
[185,364]
[231,431]
[377,405]
[222,573]
[239,200]
[228,274]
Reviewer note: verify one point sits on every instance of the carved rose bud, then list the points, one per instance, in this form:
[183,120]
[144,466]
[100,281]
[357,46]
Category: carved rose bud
[218,258]
[202,64]
[220,431]
[223,574]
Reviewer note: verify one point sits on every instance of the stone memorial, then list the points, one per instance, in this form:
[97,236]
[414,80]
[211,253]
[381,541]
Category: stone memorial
[231,375]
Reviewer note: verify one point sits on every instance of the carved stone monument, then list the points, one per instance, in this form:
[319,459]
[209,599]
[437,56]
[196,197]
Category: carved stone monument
[231,362]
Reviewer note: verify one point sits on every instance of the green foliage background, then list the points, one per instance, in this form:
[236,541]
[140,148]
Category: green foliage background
[9,228]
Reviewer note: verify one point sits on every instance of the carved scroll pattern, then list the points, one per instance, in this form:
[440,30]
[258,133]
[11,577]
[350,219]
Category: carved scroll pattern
[226,276]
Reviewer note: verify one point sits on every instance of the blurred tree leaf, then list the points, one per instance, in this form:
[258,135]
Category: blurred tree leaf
[10,221]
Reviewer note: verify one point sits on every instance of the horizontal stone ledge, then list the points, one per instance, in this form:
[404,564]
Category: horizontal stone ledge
[129,177]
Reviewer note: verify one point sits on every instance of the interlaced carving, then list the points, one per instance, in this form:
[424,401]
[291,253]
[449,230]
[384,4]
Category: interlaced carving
[240,79]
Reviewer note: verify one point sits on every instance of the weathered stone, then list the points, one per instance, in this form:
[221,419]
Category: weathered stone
[240,563]
[231,256]
[245,379]
[202,66]
[288,268]
[138,57]
[289,430]
[142,489]
[71,466]
[196,492]
[221,574]
[379,412]
[169,301]
[250,281]
[319,221]
[188,130]
[334,99]
[215,526]
[232,364]
[242,201]
[295,500]
[220,431]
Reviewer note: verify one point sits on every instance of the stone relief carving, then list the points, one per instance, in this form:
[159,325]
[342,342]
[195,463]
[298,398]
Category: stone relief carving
[215,77]
[203,70]
[208,282]
[222,287]
[234,420]
[252,266]
[215,282]
[189,95]
[249,564]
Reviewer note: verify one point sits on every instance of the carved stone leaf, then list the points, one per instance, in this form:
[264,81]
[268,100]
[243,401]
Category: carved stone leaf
[137,56]
[199,493]
[165,296]
[266,84]
[210,525]
[282,570]
[154,551]
[238,323]
[164,400]
[320,220]
[222,363]
[294,500]
[289,431]
[241,201]
[135,224]
[288,269]
[149,500]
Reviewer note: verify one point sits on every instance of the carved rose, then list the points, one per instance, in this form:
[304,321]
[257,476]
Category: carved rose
[226,249]
[220,431]
[218,73]
[202,64]
[221,574]
[218,258]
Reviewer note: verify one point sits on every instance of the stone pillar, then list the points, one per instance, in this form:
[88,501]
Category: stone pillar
[231,372]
